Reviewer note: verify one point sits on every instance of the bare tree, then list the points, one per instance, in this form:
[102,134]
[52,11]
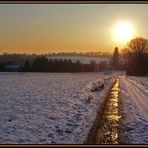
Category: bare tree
[137,51]
[138,46]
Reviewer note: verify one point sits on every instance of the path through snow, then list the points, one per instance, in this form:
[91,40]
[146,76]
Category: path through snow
[134,109]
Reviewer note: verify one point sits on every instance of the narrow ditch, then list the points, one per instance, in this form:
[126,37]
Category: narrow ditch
[108,131]
[106,126]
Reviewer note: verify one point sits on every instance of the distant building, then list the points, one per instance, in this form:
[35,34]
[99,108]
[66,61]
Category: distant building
[12,67]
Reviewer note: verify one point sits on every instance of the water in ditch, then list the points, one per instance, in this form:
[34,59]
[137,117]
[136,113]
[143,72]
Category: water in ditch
[108,129]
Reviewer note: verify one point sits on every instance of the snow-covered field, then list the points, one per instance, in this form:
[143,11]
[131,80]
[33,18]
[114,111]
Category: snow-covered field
[43,108]
[134,109]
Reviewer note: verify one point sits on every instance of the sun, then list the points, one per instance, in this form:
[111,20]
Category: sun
[123,31]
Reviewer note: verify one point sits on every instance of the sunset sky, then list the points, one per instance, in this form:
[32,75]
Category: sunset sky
[43,28]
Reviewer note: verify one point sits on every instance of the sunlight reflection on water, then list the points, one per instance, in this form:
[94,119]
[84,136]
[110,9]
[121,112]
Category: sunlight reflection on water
[108,131]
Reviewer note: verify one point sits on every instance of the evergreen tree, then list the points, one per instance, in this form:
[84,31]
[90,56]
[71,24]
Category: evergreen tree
[27,66]
[115,59]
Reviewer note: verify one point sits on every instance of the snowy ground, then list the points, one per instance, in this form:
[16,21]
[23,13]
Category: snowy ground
[42,108]
[134,109]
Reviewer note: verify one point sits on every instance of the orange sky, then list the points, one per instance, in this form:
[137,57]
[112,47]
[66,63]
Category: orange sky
[43,28]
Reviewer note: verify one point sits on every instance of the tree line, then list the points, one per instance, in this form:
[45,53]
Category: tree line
[42,64]
[133,58]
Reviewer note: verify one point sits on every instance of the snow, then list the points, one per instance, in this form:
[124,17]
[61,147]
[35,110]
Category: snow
[43,108]
[134,109]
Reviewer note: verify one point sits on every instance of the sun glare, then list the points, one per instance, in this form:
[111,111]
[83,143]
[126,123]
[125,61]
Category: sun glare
[123,31]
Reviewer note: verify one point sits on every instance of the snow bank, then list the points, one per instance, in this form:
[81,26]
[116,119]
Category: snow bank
[134,110]
[41,108]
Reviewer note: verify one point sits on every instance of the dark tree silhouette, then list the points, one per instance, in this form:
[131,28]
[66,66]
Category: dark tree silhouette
[115,59]
[137,51]
[102,65]
[2,66]
[77,66]
[69,66]
[40,64]
[51,68]
[27,67]
[138,46]
[92,65]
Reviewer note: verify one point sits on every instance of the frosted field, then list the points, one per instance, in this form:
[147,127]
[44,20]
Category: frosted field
[43,108]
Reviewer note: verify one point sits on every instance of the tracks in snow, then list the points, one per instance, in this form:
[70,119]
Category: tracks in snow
[134,101]
[137,94]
